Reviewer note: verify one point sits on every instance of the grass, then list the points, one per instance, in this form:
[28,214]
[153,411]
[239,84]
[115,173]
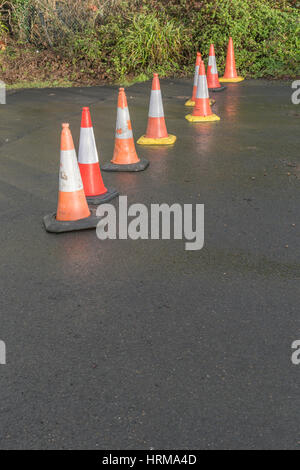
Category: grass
[67,83]
[131,81]
[40,84]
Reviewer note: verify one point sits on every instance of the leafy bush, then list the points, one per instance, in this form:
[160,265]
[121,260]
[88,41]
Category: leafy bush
[121,39]
[146,42]
[266,39]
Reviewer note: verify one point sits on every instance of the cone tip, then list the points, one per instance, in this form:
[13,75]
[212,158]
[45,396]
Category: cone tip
[155,82]
[66,142]
[86,117]
[122,101]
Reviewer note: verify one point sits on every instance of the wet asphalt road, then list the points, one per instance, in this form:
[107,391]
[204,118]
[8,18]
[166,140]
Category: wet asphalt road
[141,344]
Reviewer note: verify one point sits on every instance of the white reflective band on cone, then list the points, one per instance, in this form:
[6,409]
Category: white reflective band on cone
[69,174]
[202,90]
[87,146]
[212,62]
[123,118]
[196,75]
[156,109]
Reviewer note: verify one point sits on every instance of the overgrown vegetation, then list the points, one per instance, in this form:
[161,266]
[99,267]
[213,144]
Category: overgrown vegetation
[88,41]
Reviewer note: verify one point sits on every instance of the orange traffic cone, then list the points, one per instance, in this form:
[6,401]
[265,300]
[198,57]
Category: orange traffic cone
[230,74]
[156,133]
[95,191]
[202,110]
[212,72]
[191,101]
[72,208]
[125,157]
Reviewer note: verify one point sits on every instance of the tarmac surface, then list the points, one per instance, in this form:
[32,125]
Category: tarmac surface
[124,344]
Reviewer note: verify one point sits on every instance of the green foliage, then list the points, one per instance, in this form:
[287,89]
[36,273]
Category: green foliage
[146,43]
[123,40]
[266,39]
[82,47]
[3,28]
[20,14]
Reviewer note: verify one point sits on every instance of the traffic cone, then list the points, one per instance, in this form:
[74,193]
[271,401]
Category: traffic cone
[191,101]
[72,208]
[230,74]
[125,157]
[202,110]
[156,133]
[95,191]
[212,72]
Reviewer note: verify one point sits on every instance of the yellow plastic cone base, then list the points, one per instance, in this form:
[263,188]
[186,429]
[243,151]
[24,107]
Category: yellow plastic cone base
[192,103]
[231,80]
[189,103]
[162,141]
[212,117]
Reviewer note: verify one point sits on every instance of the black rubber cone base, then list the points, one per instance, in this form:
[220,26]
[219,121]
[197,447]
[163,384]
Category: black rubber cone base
[59,226]
[222,88]
[102,198]
[139,166]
